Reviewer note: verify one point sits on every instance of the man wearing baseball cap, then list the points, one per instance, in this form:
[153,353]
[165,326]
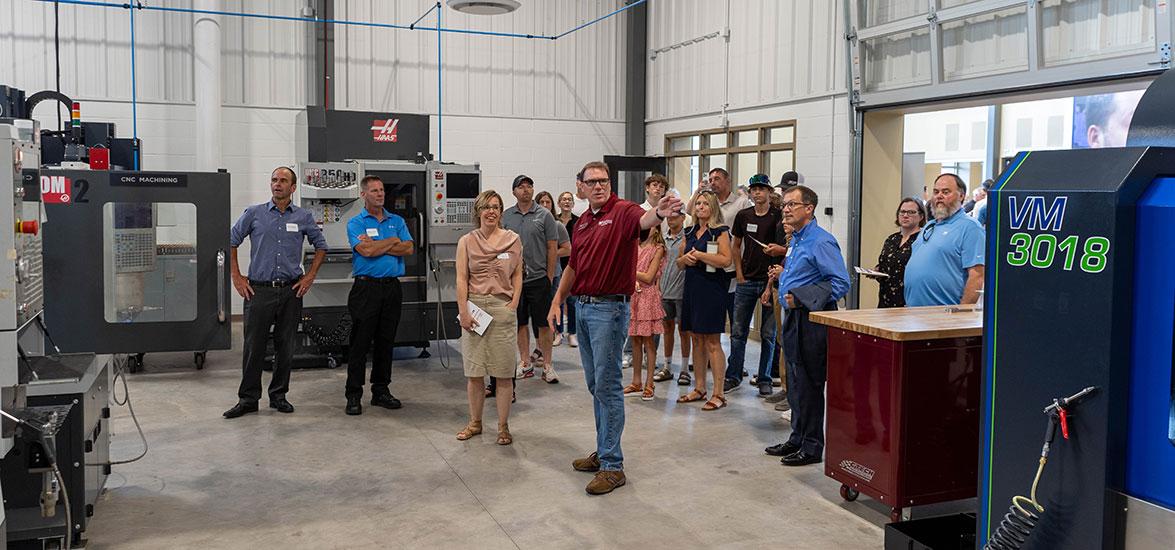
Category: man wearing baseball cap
[754,229]
[789,179]
[540,240]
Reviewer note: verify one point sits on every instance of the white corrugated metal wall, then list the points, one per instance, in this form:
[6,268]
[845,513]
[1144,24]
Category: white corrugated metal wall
[533,106]
[576,77]
[786,63]
[263,60]
[780,51]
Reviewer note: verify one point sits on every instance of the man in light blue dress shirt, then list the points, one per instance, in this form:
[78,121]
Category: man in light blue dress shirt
[946,259]
[814,277]
[274,288]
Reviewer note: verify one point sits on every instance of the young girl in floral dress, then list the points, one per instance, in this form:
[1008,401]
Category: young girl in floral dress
[647,314]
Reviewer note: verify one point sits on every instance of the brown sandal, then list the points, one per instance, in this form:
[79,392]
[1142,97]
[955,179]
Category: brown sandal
[694,395]
[632,390]
[474,428]
[504,437]
[713,405]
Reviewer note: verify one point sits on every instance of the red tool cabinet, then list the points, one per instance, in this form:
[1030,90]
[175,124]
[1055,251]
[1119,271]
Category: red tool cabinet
[903,403]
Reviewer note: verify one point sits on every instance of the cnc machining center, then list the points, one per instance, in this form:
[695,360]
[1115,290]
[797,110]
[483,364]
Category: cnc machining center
[1079,324]
[56,459]
[435,199]
[436,202]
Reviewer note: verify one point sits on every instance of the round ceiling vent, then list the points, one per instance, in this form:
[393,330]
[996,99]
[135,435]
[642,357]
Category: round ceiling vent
[484,7]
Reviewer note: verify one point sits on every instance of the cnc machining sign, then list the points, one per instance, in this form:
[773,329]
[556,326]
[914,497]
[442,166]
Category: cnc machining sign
[60,189]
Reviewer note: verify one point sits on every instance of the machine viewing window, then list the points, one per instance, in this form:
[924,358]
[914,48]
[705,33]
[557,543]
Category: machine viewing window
[149,262]
[400,188]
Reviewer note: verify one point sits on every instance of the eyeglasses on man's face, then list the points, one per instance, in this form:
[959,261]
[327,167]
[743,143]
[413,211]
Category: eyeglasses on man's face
[597,182]
[908,212]
[793,204]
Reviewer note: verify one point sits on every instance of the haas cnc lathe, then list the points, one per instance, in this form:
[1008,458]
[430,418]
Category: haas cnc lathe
[436,202]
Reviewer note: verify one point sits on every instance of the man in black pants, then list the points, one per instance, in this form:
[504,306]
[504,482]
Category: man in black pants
[274,289]
[379,240]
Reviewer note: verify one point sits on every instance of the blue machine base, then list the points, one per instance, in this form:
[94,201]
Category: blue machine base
[1150,455]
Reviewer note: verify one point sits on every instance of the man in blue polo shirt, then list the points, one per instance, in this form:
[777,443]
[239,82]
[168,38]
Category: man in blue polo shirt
[946,260]
[379,240]
[274,288]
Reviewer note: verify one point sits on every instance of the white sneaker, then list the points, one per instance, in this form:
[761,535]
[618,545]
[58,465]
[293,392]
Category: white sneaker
[524,371]
[574,342]
[549,375]
[558,339]
[626,362]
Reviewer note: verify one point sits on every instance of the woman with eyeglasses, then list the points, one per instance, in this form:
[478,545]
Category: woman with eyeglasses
[704,256]
[895,253]
[489,275]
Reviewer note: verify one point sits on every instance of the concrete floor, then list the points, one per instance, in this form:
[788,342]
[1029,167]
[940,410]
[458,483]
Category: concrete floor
[399,479]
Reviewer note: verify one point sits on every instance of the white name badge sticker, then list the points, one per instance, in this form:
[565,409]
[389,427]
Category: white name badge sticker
[504,256]
[292,227]
[372,232]
[752,228]
[788,253]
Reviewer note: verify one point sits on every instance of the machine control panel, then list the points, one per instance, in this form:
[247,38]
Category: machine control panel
[22,274]
[330,191]
[454,190]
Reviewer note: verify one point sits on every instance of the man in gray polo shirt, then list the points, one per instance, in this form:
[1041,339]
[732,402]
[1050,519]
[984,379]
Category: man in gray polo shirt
[540,240]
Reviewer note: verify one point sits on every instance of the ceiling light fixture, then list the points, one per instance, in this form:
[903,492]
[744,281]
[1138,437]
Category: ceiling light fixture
[484,7]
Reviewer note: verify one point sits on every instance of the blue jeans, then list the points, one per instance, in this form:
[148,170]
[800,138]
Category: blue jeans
[567,307]
[746,296]
[601,330]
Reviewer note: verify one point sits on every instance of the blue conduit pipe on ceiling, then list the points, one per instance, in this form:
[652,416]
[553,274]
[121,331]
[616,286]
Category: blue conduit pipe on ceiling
[598,19]
[439,29]
[141,6]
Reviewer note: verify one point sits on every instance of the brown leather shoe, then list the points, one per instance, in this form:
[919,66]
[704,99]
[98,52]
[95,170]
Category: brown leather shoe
[589,464]
[605,482]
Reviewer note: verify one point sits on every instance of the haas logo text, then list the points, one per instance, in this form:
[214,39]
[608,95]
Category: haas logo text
[384,130]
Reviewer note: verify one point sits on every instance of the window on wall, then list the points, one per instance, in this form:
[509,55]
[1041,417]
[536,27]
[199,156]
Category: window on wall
[742,150]
[913,50]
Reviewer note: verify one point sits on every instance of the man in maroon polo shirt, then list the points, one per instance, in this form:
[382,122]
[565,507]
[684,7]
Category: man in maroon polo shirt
[601,274]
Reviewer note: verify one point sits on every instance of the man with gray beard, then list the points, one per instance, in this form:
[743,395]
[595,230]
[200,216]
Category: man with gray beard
[946,260]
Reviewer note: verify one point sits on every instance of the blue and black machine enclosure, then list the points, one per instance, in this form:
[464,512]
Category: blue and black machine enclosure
[1080,280]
